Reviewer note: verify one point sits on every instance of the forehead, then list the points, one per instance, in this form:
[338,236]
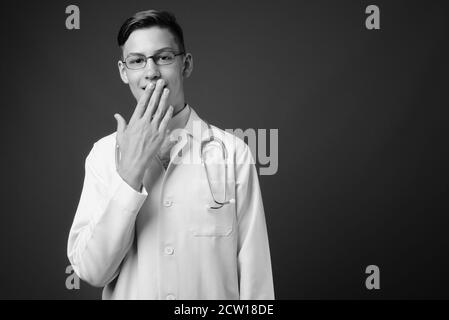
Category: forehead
[149,40]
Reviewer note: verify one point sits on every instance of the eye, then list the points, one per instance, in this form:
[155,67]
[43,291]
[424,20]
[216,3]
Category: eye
[165,57]
[135,60]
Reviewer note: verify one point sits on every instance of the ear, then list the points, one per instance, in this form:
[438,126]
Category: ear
[122,71]
[188,65]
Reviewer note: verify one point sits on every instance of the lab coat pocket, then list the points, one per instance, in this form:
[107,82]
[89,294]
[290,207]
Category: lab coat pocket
[214,222]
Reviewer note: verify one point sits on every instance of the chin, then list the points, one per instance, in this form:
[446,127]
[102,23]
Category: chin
[137,93]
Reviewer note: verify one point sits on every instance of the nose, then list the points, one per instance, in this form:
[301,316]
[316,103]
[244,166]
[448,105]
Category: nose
[152,72]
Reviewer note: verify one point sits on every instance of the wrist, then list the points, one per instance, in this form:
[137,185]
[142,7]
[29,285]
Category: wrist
[133,179]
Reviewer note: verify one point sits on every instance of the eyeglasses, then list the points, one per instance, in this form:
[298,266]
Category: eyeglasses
[139,61]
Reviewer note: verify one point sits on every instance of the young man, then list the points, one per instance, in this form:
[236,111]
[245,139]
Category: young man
[154,221]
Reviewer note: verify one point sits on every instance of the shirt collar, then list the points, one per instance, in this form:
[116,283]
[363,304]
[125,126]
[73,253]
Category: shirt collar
[179,120]
[196,127]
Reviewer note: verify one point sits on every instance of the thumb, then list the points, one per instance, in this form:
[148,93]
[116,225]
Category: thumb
[121,123]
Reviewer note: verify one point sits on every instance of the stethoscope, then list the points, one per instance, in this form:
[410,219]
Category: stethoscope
[224,153]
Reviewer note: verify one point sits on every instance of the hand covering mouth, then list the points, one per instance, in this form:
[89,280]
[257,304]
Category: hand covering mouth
[165,86]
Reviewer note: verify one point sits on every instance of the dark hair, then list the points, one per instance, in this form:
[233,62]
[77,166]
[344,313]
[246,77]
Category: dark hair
[149,18]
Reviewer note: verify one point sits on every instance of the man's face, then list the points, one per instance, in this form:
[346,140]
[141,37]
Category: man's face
[148,42]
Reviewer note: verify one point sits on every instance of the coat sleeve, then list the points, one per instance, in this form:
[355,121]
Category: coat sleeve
[253,253]
[103,228]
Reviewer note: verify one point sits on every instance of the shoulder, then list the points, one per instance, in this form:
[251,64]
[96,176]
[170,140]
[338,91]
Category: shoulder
[102,154]
[105,145]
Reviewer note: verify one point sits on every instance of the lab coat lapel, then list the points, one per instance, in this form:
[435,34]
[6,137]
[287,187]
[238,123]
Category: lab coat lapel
[187,150]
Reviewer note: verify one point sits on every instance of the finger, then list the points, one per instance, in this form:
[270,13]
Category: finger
[151,109]
[162,109]
[164,123]
[121,124]
[154,100]
[142,103]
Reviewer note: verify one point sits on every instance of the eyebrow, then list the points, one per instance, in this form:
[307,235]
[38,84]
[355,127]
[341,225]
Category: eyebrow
[155,52]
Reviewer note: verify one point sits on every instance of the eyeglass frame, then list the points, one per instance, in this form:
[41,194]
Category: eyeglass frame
[152,58]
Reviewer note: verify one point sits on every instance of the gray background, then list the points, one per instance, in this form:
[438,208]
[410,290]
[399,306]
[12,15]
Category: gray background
[361,115]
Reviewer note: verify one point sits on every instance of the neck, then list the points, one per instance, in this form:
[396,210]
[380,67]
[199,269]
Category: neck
[179,109]
[177,121]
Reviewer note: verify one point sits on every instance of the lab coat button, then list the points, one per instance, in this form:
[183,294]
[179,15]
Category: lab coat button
[169,250]
[171,297]
[168,203]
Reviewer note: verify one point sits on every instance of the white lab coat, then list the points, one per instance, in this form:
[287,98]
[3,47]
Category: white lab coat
[164,242]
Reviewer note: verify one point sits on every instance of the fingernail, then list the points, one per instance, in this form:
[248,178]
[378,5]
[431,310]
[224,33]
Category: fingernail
[151,85]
